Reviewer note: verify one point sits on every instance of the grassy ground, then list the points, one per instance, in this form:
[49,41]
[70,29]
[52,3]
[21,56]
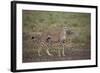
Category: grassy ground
[46,21]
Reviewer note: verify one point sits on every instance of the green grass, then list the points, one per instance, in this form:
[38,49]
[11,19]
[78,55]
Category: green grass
[41,21]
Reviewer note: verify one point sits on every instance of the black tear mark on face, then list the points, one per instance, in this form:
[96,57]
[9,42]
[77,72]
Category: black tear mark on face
[48,38]
[69,32]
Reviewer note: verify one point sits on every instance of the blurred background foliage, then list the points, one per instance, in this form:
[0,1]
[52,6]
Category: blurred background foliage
[39,21]
[49,21]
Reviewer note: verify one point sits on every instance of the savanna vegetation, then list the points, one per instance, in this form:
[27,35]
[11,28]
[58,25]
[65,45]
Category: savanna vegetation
[77,45]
